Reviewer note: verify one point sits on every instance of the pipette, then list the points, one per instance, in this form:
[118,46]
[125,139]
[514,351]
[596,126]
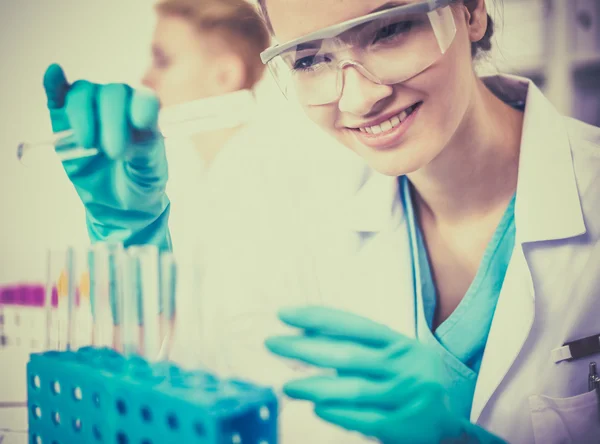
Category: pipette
[182,120]
[64,143]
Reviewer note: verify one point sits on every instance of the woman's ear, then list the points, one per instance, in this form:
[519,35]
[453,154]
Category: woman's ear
[231,73]
[477,22]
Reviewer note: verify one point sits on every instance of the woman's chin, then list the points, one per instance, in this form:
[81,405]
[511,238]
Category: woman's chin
[391,162]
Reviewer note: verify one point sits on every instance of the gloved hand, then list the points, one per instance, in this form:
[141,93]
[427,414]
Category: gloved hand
[386,385]
[123,193]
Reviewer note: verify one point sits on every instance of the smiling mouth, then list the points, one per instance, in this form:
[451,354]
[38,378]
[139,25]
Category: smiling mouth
[389,124]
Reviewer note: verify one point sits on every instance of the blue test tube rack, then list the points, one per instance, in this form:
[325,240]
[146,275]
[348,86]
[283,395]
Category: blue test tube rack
[96,395]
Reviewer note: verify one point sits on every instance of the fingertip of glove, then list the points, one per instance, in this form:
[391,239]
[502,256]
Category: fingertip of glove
[278,344]
[56,85]
[54,71]
[145,108]
[271,343]
[292,389]
[286,313]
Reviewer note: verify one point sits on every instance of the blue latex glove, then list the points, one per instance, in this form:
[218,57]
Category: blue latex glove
[386,385]
[123,194]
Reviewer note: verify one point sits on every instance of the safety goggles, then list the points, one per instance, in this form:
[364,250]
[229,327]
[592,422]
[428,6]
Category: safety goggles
[386,47]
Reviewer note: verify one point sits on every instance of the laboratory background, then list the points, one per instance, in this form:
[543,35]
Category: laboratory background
[554,42]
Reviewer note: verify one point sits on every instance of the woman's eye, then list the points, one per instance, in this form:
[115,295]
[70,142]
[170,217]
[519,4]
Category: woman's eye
[161,62]
[390,31]
[309,62]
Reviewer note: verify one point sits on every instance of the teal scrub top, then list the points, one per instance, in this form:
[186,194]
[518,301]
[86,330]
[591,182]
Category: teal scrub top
[461,338]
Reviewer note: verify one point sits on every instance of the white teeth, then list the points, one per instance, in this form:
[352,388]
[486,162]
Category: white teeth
[388,124]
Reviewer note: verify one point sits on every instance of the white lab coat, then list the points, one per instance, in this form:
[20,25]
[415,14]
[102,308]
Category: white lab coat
[351,251]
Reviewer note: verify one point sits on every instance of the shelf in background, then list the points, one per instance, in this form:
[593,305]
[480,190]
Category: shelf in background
[585,61]
[530,67]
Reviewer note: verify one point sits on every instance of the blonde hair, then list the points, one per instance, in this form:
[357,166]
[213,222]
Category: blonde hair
[236,22]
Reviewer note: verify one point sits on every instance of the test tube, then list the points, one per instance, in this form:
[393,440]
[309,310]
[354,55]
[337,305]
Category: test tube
[3,339]
[50,291]
[70,266]
[64,274]
[84,325]
[104,261]
[145,273]
[129,303]
[167,308]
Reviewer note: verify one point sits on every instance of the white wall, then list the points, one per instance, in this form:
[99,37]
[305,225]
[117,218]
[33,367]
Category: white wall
[103,41]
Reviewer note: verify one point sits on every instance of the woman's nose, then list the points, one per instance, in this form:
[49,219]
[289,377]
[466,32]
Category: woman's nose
[359,94]
[148,80]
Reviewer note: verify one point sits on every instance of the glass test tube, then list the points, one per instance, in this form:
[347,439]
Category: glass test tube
[129,297]
[144,270]
[50,291]
[167,308]
[104,261]
[70,266]
[64,272]
[3,339]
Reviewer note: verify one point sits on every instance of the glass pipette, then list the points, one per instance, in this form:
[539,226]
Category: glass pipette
[182,120]
[64,143]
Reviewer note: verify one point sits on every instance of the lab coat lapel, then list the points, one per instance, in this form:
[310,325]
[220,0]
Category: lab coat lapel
[511,325]
[384,270]
[367,267]
[547,207]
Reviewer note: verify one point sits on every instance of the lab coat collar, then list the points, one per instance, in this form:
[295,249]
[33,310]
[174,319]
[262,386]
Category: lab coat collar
[547,204]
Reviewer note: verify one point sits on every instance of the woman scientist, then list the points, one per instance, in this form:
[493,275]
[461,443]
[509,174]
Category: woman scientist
[464,277]
[492,259]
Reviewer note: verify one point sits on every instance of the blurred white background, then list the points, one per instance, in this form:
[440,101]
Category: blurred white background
[555,42]
[102,41]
